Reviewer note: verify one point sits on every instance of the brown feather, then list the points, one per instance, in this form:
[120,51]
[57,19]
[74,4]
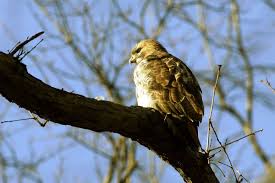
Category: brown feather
[165,83]
[169,82]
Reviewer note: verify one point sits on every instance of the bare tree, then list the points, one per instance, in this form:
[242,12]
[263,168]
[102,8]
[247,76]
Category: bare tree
[87,45]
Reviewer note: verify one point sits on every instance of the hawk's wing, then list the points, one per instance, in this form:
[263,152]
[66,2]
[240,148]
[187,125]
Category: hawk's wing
[175,90]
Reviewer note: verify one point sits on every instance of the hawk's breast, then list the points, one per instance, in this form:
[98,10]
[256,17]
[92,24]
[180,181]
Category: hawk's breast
[144,98]
[143,80]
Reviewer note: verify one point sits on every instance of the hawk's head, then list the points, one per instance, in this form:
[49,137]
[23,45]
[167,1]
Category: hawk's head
[147,49]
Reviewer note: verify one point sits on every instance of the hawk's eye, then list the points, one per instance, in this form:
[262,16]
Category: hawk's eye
[138,50]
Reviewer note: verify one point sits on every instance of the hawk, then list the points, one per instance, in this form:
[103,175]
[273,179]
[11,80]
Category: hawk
[165,83]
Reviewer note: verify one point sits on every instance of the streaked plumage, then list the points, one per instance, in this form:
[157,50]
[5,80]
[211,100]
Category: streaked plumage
[165,83]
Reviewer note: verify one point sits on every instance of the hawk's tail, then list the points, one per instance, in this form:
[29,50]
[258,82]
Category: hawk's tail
[185,130]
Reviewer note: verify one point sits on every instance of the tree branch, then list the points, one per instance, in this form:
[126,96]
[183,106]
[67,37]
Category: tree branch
[140,124]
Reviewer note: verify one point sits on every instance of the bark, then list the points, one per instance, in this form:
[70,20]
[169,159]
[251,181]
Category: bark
[143,125]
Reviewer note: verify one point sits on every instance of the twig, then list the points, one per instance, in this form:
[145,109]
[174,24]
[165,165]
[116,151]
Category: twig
[210,125]
[219,169]
[224,164]
[241,177]
[36,118]
[229,143]
[21,45]
[9,121]
[268,84]
[224,149]
[211,108]
[213,155]
[31,50]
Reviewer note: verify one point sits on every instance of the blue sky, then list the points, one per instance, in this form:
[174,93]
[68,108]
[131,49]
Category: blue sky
[17,22]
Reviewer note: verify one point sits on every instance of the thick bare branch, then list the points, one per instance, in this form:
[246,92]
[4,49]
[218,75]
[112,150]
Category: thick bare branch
[140,124]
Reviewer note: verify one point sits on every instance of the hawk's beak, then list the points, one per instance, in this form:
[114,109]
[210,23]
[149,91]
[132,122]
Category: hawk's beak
[132,60]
